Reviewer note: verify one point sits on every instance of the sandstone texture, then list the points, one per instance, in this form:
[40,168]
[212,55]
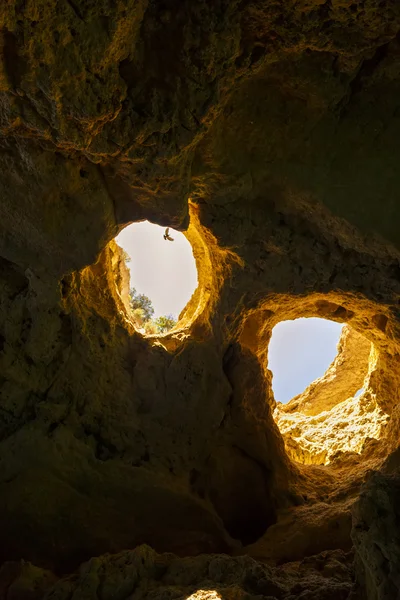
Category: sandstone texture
[344,428]
[324,421]
[346,376]
[152,466]
[376,537]
[142,573]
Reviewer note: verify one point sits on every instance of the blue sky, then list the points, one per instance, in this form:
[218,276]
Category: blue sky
[299,352]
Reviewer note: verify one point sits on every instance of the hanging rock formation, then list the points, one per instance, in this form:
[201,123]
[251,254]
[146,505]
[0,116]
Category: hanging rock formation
[269,133]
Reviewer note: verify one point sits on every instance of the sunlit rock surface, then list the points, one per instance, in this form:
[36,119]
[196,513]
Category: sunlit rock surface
[270,133]
[344,428]
[343,378]
[323,421]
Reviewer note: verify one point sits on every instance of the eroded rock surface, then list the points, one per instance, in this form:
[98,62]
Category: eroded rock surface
[344,428]
[323,421]
[343,378]
[270,133]
[143,574]
[376,530]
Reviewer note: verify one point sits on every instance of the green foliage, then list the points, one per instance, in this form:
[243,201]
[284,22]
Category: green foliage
[150,328]
[143,312]
[143,302]
[139,317]
[165,323]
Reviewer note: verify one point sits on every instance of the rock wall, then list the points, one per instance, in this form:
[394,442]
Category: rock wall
[269,133]
[329,418]
[343,378]
[375,534]
[145,574]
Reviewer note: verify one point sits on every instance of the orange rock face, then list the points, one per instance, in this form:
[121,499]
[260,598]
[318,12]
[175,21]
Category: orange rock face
[269,133]
[327,419]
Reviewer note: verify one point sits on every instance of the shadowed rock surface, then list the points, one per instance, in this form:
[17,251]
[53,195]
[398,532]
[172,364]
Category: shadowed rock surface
[269,133]
[142,573]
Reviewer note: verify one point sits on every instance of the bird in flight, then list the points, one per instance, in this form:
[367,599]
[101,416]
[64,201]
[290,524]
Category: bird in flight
[167,236]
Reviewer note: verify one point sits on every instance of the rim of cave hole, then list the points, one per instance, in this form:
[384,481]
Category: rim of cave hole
[197,305]
[338,413]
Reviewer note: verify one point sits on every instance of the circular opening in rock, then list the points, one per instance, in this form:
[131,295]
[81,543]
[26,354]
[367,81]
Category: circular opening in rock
[338,412]
[163,275]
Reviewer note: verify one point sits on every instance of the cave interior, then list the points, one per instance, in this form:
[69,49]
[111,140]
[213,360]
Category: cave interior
[161,467]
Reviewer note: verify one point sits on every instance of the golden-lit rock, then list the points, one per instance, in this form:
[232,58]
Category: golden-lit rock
[343,428]
[269,133]
[343,378]
[323,421]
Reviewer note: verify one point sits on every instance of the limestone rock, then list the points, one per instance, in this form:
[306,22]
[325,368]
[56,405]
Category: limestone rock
[324,422]
[376,536]
[268,132]
[343,378]
[24,581]
[344,428]
[143,574]
[304,531]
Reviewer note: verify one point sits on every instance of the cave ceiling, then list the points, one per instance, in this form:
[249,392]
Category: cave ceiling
[269,133]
